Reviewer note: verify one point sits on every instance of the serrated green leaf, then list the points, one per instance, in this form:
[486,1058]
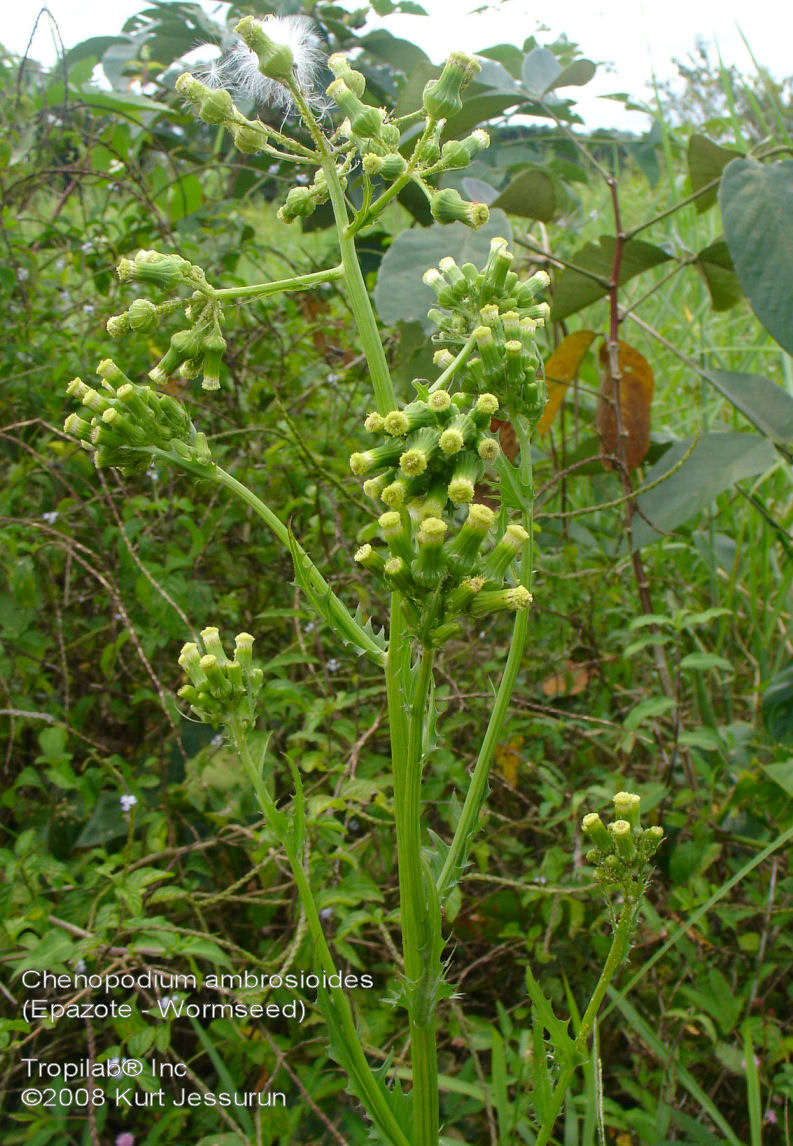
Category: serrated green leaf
[557,1030]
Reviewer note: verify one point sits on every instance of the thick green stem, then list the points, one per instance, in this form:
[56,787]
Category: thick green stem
[619,949]
[371,344]
[371,1092]
[477,790]
[407,705]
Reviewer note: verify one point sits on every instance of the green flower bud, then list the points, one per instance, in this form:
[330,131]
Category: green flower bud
[117,325]
[143,316]
[373,487]
[385,455]
[370,559]
[94,401]
[455,277]
[430,504]
[112,375]
[394,165]
[372,164]
[442,97]
[300,203]
[477,141]
[216,107]
[212,644]
[374,422]
[190,661]
[452,441]
[165,271]
[505,552]
[365,121]
[500,601]
[390,136]
[454,154]
[448,206]
[626,807]
[467,472]
[421,446]
[462,552]
[243,650]
[395,527]
[490,316]
[593,826]
[78,427]
[622,835]
[443,359]
[342,69]
[275,60]
[191,89]
[217,681]
[249,138]
[488,450]
[529,290]
[428,568]
[513,361]
[398,573]
[463,594]
[650,841]
[396,423]
[540,313]
[498,263]
[491,358]
[202,452]
[395,494]
[430,151]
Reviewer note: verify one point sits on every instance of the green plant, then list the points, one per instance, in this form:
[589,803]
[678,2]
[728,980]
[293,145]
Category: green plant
[431,453]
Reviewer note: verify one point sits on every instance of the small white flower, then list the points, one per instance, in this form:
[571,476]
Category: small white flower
[80,966]
[115,166]
[332,379]
[23,274]
[334,665]
[309,628]
[326,913]
[127,802]
[152,473]
[241,69]
[50,517]
[216,741]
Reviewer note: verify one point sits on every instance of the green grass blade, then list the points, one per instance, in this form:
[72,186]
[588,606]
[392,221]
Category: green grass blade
[753,1099]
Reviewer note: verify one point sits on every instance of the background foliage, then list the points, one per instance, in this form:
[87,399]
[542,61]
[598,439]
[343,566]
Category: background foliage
[661,642]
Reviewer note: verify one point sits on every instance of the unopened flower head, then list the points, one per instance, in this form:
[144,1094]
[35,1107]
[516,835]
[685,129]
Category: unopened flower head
[298,34]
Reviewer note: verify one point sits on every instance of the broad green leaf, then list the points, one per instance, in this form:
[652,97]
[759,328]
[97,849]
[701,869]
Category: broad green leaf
[646,710]
[531,196]
[705,738]
[577,74]
[540,69]
[478,191]
[757,210]
[717,462]
[51,953]
[716,267]
[400,294]
[781,774]
[574,291]
[767,406]
[400,54]
[706,161]
[777,706]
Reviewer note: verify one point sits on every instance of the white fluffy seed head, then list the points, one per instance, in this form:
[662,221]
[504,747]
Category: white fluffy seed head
[240,71]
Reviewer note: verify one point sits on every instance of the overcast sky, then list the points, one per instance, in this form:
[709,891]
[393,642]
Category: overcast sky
[629,39]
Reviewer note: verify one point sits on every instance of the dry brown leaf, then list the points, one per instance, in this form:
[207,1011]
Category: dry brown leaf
[569,683]
[560,370]
[636,389]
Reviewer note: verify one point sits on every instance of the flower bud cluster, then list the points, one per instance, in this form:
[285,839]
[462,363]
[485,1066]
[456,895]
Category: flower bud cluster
[431,455]
[216,106]
[198,350]
[123,422]
[502,315]
[622,851]
[220,689]
[303,201]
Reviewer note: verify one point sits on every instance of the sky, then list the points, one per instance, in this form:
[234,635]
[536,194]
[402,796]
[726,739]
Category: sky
[629,39]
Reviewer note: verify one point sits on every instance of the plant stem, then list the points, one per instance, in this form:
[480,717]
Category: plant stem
[297,282]
[371,1092]
[475,797]
[619,949]
[407,708]
[359,296]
